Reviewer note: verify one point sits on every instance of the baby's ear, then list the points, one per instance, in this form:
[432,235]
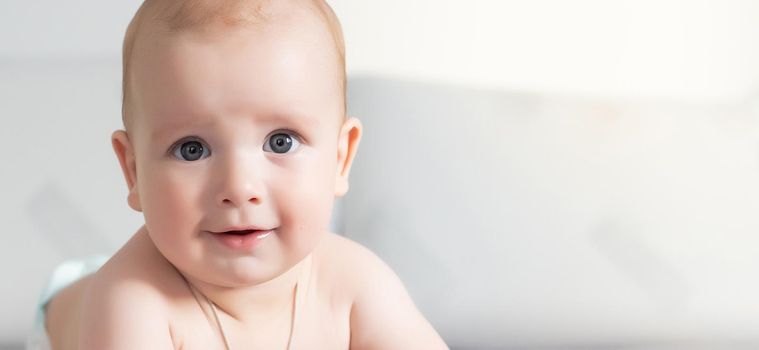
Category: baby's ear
[347,144]
[125,152]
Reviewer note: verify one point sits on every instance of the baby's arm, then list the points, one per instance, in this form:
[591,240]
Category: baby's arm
[383,316]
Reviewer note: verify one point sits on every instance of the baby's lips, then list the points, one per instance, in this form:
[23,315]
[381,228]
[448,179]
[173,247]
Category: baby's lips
[242,229]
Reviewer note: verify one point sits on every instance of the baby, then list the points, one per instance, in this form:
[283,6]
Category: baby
[235,146]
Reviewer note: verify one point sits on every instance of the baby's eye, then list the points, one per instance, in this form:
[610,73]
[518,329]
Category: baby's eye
[191,151]
[281,142]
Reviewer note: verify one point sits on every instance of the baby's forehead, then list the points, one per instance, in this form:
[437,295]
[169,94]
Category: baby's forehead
[224,27]
[244,67]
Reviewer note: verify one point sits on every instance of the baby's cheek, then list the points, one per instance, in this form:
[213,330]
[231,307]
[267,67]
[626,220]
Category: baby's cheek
[306,206]
[171,217]
[168,204]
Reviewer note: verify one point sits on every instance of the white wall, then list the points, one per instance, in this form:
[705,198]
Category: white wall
[658,48]
[62,191]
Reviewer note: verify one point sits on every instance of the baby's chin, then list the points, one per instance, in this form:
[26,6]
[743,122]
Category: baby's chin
[246,271]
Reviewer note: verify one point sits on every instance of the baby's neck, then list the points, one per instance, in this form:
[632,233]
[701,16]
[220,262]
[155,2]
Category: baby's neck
[257,304]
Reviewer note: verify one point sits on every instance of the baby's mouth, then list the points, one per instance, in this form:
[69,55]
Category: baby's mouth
[242,239]
[241,232]
[244,233]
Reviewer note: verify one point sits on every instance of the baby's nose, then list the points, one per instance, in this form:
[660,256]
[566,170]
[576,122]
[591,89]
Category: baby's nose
[239,185]
[238,200]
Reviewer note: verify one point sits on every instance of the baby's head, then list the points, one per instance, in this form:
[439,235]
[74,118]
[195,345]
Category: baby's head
[235,120]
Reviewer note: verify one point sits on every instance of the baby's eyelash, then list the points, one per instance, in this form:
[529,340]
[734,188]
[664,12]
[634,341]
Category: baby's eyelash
[181,141]
[286,131]
[275,144]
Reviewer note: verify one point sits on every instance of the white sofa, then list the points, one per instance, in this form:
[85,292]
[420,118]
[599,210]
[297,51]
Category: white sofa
[526,221]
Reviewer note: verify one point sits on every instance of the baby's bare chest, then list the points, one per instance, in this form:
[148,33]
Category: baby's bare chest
[319,325]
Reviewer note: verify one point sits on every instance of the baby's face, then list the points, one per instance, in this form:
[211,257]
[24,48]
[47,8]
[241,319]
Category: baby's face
[234,131]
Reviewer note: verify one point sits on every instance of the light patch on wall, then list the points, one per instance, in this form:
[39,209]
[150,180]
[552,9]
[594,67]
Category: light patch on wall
[58,219]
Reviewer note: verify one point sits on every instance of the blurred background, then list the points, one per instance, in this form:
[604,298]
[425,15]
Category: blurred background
[541,174]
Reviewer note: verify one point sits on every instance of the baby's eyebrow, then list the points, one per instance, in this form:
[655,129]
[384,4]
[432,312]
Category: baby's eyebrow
[303,120]
[167,127]
[292,117]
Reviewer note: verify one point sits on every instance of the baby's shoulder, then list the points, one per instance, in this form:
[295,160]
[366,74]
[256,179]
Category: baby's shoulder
[381,312]
[138,267]
[130,298]
[337,258]
[347,266]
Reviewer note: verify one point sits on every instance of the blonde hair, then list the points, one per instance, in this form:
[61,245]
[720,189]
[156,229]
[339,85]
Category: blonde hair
[176,16]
